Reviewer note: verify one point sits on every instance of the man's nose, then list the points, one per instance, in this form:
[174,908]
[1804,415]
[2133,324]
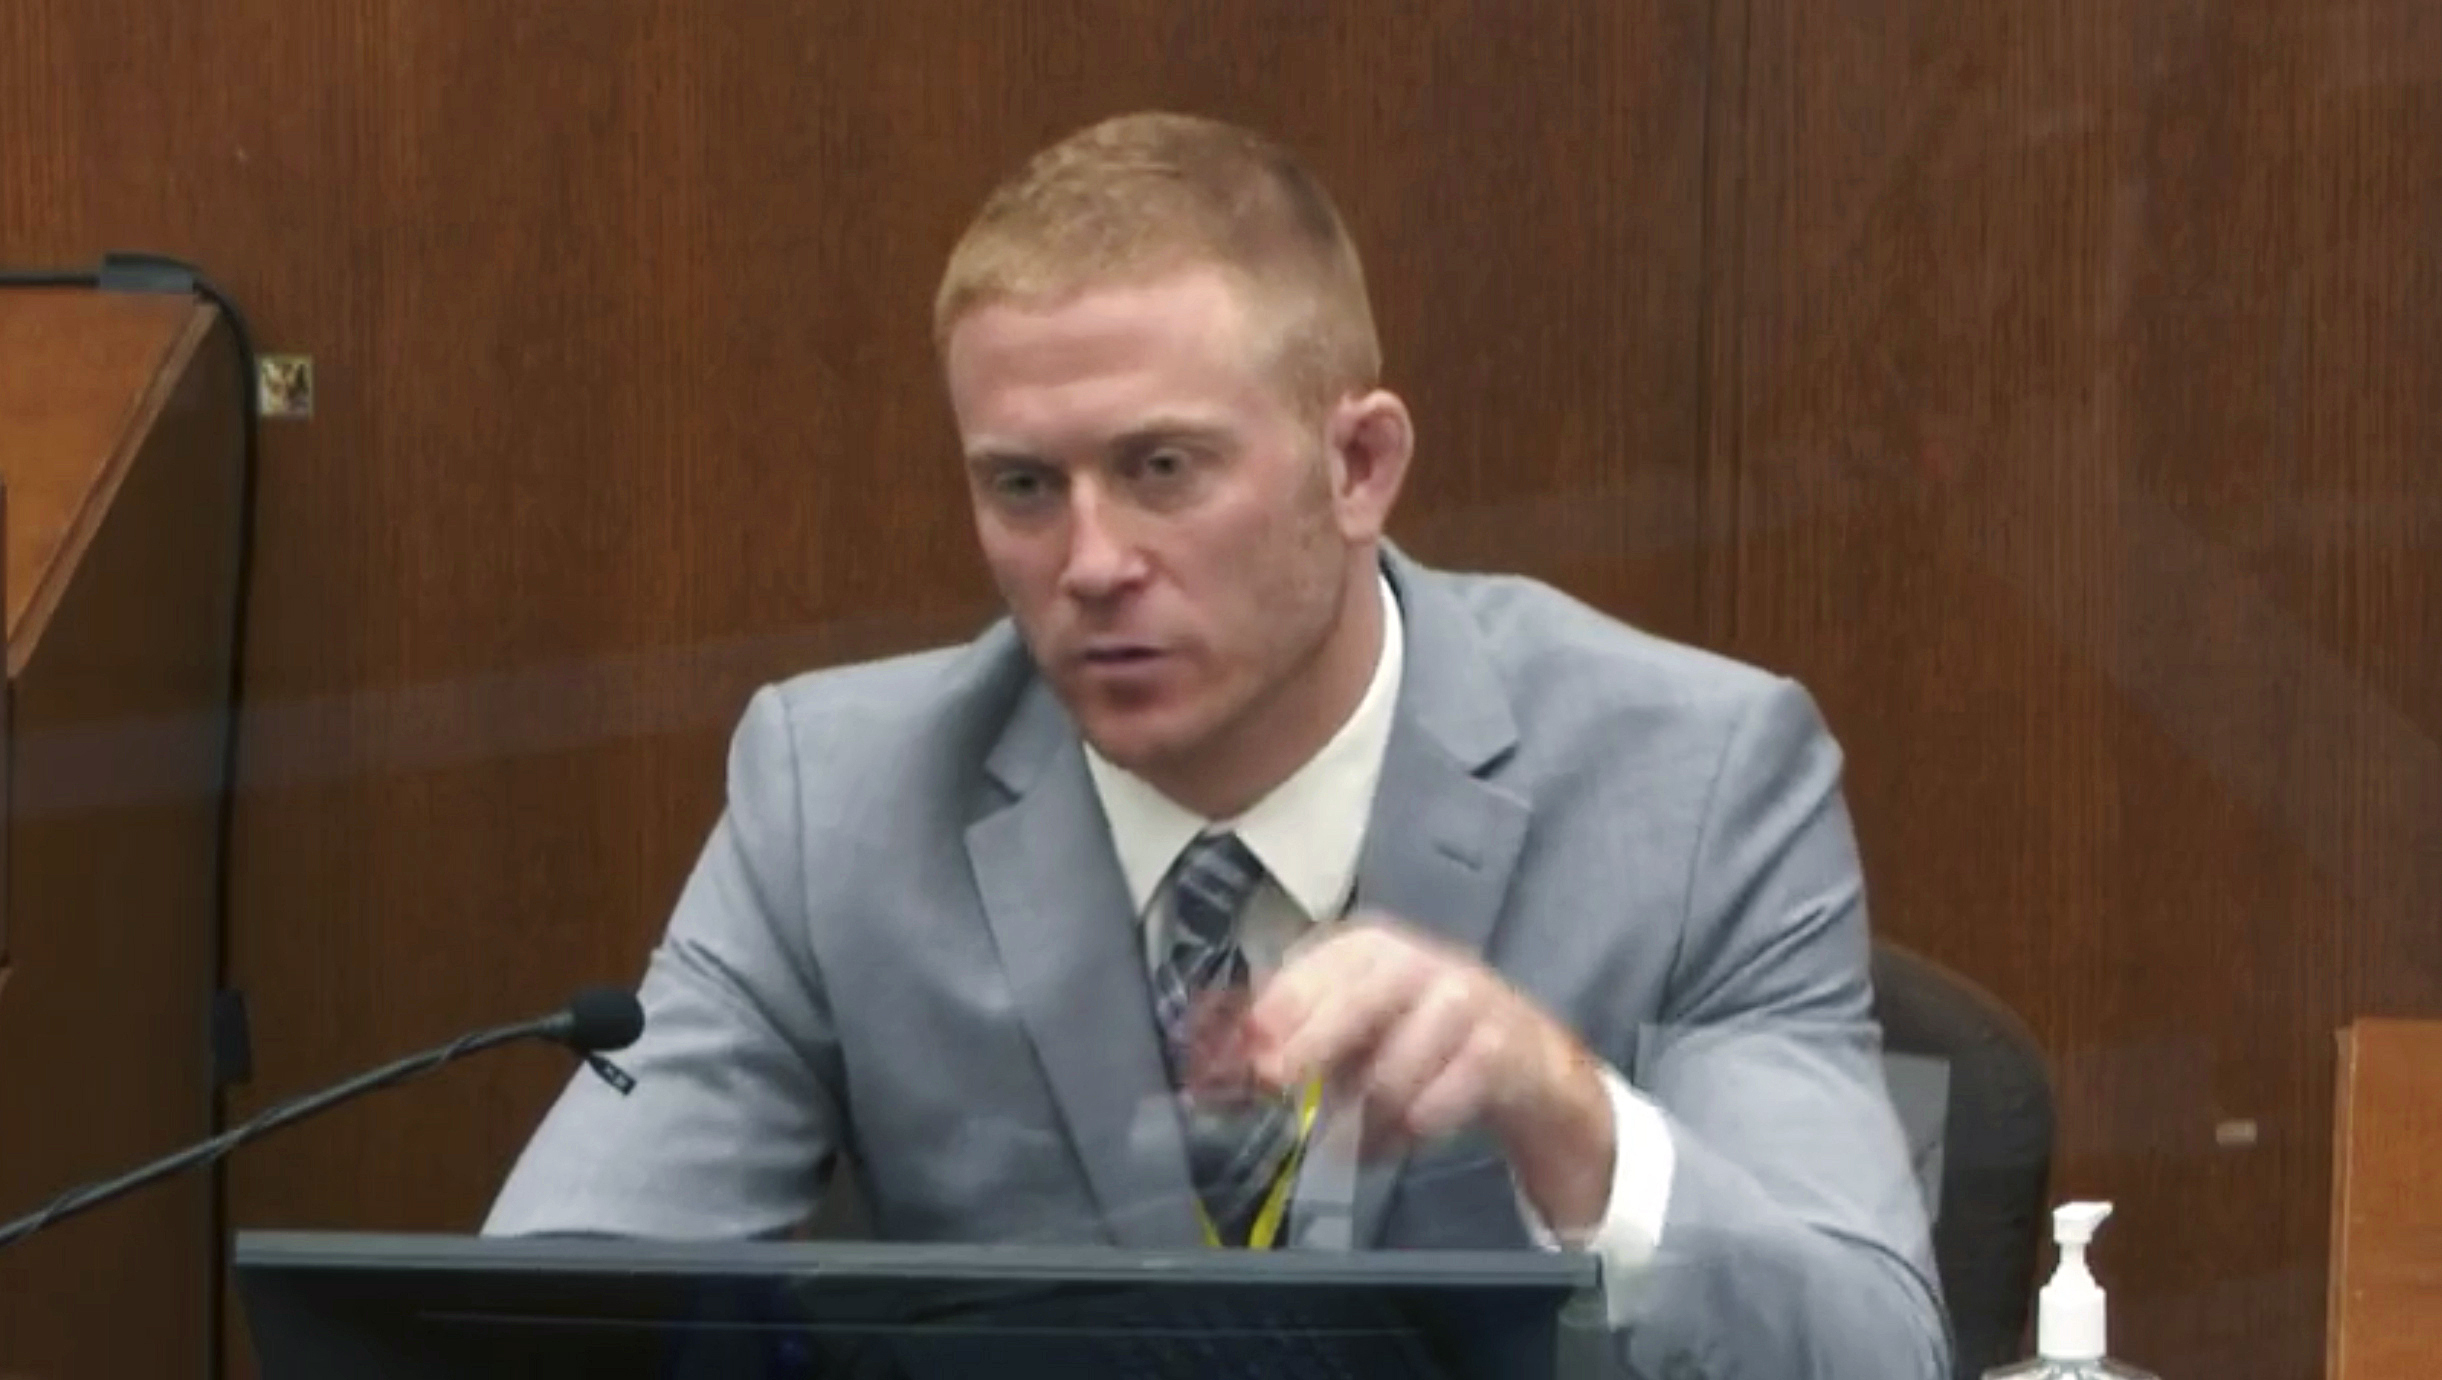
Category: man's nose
[1101,561]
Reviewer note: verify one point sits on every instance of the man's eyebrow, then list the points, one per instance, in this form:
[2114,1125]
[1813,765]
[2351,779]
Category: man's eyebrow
[999,457]
[1160,431]
[1170,431]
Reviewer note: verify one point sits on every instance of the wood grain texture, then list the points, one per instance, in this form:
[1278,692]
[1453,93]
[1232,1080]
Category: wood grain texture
[627,404]
[77,393]
[2072,422]
[2386,1290]
[117,703]
[8,760]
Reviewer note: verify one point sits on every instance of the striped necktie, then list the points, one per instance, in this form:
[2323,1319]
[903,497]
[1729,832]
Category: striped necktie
[1235,1151]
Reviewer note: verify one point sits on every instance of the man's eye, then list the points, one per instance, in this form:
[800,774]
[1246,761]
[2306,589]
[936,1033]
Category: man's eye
[1018,484]
[1165,464]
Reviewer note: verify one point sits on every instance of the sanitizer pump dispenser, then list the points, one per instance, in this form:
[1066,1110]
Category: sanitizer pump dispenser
[2070,1332]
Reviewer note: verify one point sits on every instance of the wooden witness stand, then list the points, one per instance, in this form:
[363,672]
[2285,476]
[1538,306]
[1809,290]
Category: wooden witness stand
[121,428]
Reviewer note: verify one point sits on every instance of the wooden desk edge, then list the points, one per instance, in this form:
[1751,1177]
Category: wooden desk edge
[2336,1278]
[169,374]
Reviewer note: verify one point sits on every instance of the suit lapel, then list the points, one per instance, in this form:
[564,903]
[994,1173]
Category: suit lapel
[1059,913]
[1443,840]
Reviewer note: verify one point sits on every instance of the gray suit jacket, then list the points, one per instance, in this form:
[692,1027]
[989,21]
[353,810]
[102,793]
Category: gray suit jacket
[908,939]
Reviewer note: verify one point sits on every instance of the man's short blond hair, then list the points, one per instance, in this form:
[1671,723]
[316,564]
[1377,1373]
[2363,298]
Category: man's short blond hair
[1138,196]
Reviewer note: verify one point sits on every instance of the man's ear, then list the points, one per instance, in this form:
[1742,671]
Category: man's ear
[1372,438]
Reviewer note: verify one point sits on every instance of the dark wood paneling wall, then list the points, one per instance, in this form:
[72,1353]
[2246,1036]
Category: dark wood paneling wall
[2043,384]
[2075,405]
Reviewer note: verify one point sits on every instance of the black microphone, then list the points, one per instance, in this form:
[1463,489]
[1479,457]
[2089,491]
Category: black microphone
[596,1020]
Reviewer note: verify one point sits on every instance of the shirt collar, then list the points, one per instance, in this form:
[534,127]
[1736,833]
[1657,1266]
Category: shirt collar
[1307,832]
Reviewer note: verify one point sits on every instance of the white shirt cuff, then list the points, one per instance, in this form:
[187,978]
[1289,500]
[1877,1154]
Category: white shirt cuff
[1631,1228]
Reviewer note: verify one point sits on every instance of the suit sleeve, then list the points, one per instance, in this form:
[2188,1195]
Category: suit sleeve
[1795,1244]
[733,1122]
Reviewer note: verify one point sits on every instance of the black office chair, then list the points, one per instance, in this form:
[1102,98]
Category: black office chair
[1984,1142]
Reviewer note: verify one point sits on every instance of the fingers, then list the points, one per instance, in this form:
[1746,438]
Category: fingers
[1416,1053]
[1219,1052]
[1415,1033]
[1460,1090]
[1327,1007]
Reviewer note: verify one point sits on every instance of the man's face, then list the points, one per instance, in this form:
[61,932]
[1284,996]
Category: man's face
[1166,527]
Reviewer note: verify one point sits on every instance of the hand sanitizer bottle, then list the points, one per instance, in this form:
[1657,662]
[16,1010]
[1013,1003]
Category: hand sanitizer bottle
[2069,1332]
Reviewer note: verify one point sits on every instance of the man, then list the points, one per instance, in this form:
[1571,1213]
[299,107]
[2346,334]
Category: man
[1065,933]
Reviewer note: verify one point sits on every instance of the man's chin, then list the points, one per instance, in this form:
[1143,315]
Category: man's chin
[1140,742]
[1135,752]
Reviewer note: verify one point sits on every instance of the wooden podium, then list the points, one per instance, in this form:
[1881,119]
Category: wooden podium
[2386,1280]
[121,429]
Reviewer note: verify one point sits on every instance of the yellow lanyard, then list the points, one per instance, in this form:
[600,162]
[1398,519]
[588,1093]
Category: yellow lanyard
[1261,1235]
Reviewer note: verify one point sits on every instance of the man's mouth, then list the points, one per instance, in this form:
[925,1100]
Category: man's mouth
[1119,655]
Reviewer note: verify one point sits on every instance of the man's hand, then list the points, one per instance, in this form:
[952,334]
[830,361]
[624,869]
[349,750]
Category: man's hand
[1433,1041]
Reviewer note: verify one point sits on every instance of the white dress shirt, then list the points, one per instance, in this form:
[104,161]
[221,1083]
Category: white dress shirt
[1307,833]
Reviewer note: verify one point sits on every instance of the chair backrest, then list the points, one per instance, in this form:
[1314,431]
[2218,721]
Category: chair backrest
[1975,1095]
